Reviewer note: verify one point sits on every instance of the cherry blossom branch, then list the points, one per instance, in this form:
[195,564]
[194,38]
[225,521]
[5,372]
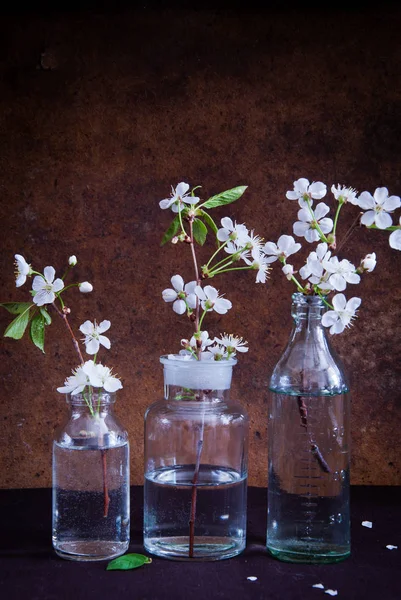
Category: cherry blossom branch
[63,315]
[197,277]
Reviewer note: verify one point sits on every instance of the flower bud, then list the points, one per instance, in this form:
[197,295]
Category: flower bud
[288,271]
[85,287]
[72,261]
[368,263]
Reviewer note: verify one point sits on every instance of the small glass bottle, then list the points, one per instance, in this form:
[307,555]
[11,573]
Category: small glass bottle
[91,481]
[196,446]
[308,433]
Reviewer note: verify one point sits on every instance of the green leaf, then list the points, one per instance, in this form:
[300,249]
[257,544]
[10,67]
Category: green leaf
[171,231]
[15,308]
[38,331]
[127,562]
[209,221]
[45,315]
[199,231]
[225,197]
[16,329]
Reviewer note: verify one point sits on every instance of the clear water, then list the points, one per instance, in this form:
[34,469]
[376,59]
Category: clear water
[81,531]
[220,524]
[308,493]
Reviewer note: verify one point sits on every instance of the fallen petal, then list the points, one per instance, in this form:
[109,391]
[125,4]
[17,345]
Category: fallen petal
[368,524]
[252,578]
[331,592]
[319,586]
[391,547]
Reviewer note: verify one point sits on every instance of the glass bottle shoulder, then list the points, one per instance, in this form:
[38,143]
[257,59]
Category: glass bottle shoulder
[176,410]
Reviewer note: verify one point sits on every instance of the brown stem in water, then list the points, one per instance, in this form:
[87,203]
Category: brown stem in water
[316,453]
[106,497]
[194,497]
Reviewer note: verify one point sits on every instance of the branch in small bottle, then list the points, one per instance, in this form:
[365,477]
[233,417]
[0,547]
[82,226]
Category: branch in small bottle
[193,499]
[106,497]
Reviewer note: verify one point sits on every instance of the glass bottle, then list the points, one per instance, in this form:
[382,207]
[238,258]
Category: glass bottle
[91,481]
[196,447]
[308,432]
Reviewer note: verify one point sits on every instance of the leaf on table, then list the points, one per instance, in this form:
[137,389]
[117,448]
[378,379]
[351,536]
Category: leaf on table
[127,562]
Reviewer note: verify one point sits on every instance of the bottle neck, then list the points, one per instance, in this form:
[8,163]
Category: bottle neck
[93,403]
[308,365]
[307,312]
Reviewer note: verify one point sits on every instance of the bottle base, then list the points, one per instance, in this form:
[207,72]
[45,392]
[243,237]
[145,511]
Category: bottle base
[314,553]
[205,548]
[90,551]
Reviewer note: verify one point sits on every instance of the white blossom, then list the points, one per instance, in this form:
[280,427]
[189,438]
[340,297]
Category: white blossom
[85,287]
[288,271]
[101,376]
[260,263]
[286,245]
[369,262]
[395,238]
[238,234]
[313,264]
[232,343]
[342,315]
[22,270]
[210,299]
[378,208]
[306,226]
[347,194]
[181,296]
[254,242]
[46,287]
[178,196]
[75,383]
[93,335]
[204,339]
[72,261]
[217,352]
[304,191]
[341,273]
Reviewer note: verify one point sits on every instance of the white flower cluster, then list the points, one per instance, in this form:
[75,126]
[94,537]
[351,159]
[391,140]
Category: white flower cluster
[313,222]
[324,272]
[91,373]
[240,244]
[221,348]
[47,290]
[44,287]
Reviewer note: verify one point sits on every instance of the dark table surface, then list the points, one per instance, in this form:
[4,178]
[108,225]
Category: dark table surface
[29,569]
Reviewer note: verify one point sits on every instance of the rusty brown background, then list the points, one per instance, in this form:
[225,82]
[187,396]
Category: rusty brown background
[101,111]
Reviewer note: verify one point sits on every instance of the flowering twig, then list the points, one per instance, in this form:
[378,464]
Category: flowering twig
[48,290]
[196,301]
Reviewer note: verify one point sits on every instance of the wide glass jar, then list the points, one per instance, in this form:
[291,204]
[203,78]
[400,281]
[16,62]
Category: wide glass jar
[196,448]
[91,481]
[309,437]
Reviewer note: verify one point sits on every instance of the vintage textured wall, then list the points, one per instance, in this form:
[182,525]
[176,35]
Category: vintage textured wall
[101,112]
